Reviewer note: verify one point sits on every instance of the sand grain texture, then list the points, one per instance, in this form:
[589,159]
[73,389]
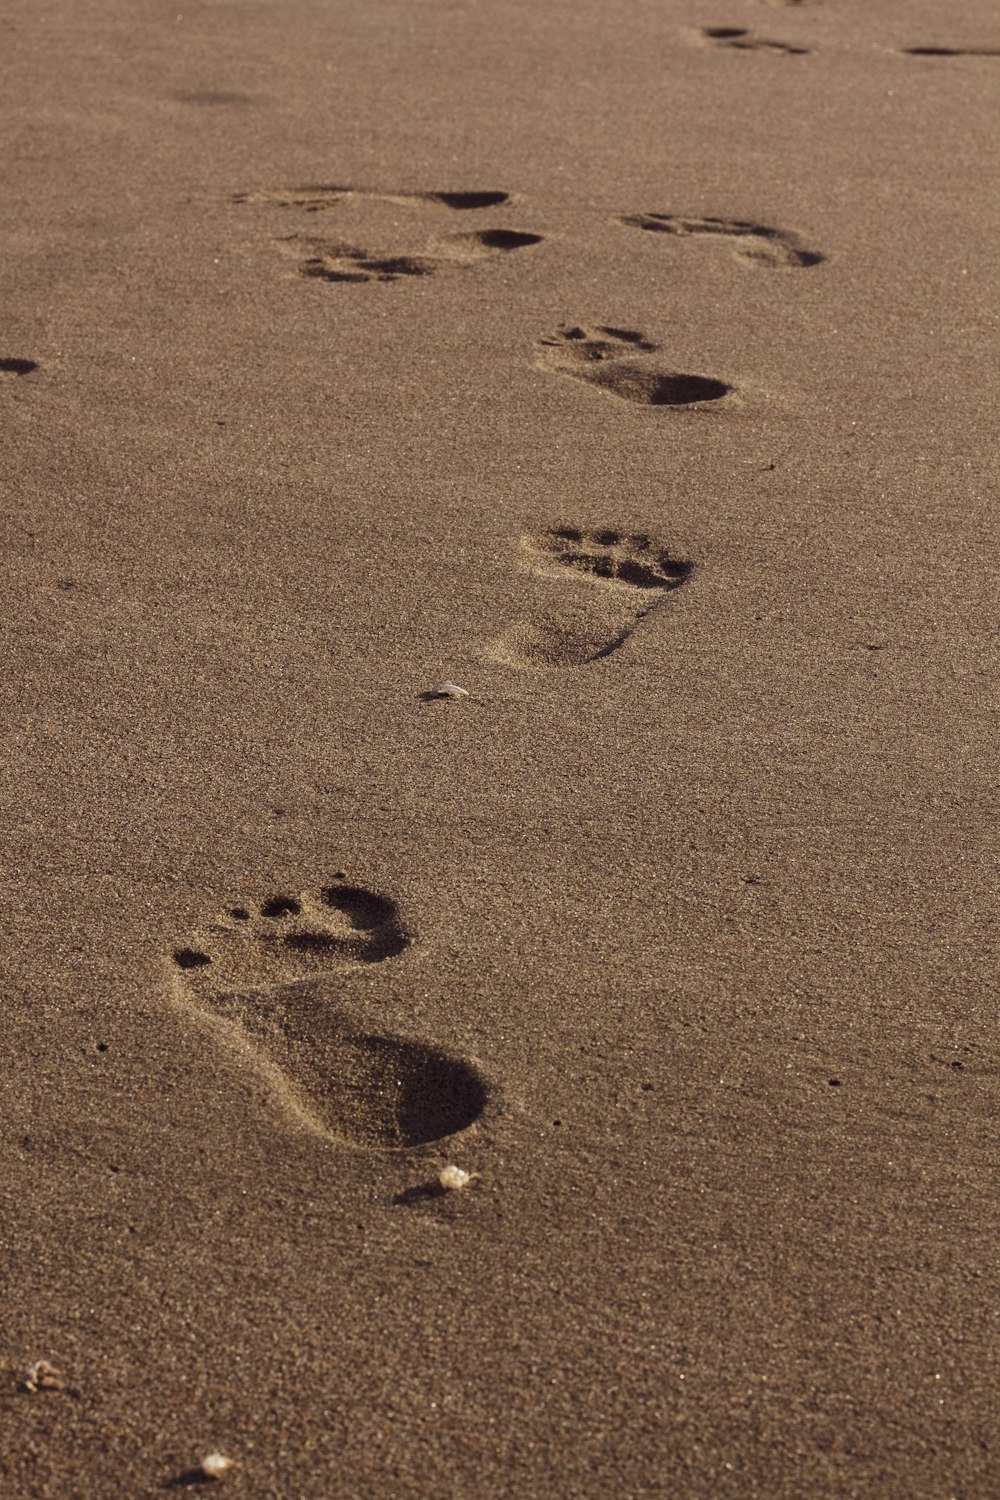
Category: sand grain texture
[678,930]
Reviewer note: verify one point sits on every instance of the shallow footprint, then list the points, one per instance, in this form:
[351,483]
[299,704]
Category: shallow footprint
[756,244]
[325,260]
[611,358]
[631,574]
[745,41]
[255,973]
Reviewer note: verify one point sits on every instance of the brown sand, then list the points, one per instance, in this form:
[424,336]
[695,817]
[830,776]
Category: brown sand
[693,931]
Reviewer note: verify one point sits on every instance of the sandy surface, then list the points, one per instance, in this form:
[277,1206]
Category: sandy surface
[673,442]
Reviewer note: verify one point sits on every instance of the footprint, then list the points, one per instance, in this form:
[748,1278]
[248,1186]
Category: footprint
[624,577]
[325,260]
[255,974]
[214,98]
[757,244]
[736,36]
[950,51]
[17,366]
[318,196]
[612,359]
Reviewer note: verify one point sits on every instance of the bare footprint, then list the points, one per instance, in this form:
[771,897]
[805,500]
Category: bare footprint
[613,360]
[325,260]
[744,41]
[315,197]
[624,577]
[256,974]
[756,244]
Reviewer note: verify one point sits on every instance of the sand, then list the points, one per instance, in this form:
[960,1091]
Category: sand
[642,382]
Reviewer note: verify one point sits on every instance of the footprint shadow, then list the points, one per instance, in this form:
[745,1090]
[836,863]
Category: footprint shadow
[623,576]
[258,975]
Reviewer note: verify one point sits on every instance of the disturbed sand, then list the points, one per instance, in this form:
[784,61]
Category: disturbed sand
[632,366]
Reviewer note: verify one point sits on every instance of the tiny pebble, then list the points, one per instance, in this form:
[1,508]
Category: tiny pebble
[216,1464]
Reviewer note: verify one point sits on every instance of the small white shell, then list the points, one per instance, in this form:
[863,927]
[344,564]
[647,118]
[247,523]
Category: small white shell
[448,690]
[453,1179]
[216,1464]
[42,1376]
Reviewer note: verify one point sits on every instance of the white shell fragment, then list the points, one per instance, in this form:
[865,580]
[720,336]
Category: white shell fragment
[447,690]
[41,1376]
[216,1465]
[453,1179]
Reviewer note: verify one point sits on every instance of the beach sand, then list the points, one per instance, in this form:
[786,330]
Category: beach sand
[642,382]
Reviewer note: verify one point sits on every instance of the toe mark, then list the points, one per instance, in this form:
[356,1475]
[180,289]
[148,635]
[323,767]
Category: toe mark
[363,909]
[190,958]
[280,906]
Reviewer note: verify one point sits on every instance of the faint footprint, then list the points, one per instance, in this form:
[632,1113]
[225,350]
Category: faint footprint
[611,358]
[257,974]
[318,196]
[756,244]
[737,36]
[325,260]
[624,576]
[215,98]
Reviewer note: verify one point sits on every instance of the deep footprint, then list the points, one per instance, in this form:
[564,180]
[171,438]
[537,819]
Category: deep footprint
[632,574]
[611,358]
[756,244]
[324,260]
[316,197]
[745,41]
[256,972]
